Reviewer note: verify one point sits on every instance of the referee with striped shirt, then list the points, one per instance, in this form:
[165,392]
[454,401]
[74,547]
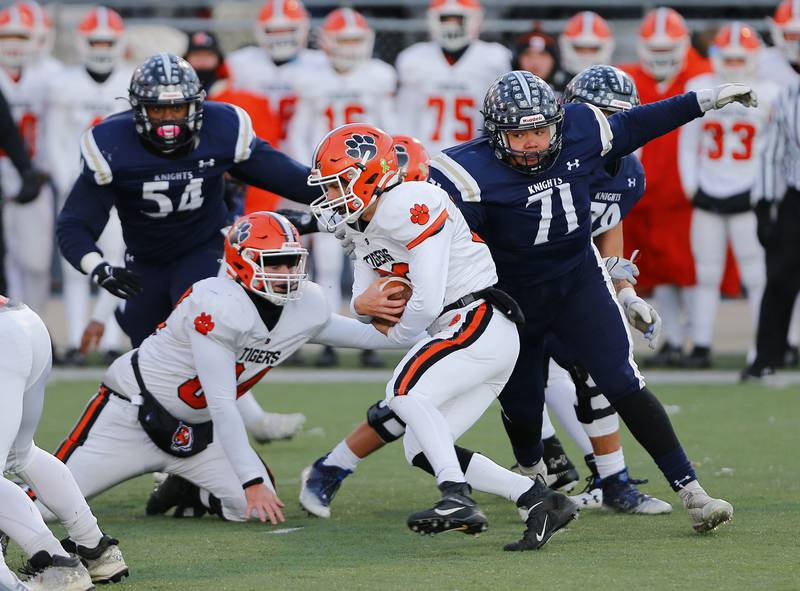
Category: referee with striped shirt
[777,197]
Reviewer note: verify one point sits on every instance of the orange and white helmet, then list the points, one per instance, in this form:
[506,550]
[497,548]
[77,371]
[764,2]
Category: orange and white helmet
[785,29]
[347,38]
[282,28]
[454,24]
[587,41]
[353,164]
[663,43]
[264,254]
[412,158]
[44,33]
[17,36]
[734,52]
[100,39]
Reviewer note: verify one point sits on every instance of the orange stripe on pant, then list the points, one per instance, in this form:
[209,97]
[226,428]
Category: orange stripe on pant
[476,322]
[78,435]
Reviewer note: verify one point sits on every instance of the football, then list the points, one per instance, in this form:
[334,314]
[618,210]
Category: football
[405,294]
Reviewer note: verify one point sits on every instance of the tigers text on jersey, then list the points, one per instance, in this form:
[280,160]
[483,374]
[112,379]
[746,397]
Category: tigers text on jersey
[76,103]
[251,68]
[327,99]
[220,309]
[538,226]
[439,102]
[614,195]
[27,99]
[406,217]
[718,154]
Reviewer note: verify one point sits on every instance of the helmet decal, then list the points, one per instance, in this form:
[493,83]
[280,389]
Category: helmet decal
[361,147]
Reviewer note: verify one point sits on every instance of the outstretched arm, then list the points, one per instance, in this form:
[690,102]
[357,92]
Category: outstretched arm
[348,332]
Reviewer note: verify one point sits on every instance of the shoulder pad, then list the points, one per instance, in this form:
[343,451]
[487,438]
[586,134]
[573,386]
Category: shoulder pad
[219,309]
[413,212]
[316,304]
[448,164]
[227,118]
[581,117]
[93,158]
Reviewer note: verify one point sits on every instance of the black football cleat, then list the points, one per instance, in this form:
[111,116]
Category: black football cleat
[699,358]
[548,512]
[179,493]
[561,472]
[455,511]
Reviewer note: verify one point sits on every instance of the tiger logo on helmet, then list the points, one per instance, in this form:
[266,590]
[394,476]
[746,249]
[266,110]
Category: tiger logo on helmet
[353,165]
[263,253]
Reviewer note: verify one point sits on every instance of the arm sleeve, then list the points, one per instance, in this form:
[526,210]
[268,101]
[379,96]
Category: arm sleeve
[272,170]
[347,332]
[632,129]
[10,139]
[363,276]
[82,220]
[770,181]
[215,367]
[427,271]
[689,142]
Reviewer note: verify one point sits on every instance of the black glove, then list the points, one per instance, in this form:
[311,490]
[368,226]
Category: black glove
[302,220]
[766,226]
[117,280]
[32,181]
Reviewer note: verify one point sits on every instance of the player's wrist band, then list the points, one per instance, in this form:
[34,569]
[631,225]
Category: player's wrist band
[253,482]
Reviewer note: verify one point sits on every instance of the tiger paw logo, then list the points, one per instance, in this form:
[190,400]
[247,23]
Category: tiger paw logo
[361,147]
[182,438]
[239,233]
[420,214]
[203,323]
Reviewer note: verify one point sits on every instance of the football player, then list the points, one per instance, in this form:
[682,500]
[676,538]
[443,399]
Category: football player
[524,188]
[660,226]
[441,82]
[718,164]
[353,87]
[25,361]
[23,81]
[162,164]
[79,97]
[170,405]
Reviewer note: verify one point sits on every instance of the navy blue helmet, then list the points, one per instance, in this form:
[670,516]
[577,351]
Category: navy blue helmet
[166,79]
[606,87]
[518,101]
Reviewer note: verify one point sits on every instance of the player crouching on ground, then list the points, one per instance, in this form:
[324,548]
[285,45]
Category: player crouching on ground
[412,230]
[170,405]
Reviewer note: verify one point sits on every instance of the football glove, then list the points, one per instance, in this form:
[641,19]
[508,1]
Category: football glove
[641,315]
[118,281]
[622,269]
[346,242]
[719,96]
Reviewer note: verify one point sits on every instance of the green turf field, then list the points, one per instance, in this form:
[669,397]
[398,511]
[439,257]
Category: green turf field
[744,440]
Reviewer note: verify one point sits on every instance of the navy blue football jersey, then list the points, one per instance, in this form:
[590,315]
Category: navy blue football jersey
[614,195]
[169,205]
[538,227]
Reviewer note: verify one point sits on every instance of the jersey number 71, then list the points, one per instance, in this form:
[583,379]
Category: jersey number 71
[546,198]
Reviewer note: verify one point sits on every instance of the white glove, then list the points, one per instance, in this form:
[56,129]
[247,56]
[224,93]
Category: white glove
[641,315]
[622,269]
[346,241]
[719,96]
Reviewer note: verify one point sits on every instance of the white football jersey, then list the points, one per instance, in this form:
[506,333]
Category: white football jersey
[718,153]
[251,68]
[327,99]
[220,309]
[27,99]
[76,103]
[440,103]
[405,217]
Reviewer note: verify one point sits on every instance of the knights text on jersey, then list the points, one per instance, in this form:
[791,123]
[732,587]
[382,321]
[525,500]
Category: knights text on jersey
[614,195]
[219,309]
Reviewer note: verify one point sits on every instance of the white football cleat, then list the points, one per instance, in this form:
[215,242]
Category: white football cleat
[56,573]
[274,426]
[706,513]
[591,497]
[104,562]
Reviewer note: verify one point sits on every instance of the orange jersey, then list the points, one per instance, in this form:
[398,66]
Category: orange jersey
[659,225]
[266,126]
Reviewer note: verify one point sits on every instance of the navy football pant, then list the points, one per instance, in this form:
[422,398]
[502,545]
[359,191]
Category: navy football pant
[164,284]
[579,309]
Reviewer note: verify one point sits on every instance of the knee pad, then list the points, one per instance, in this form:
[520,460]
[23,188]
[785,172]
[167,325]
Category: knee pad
[387,425]
[593,410]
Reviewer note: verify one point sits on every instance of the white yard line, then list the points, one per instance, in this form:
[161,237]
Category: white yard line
[338,376]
